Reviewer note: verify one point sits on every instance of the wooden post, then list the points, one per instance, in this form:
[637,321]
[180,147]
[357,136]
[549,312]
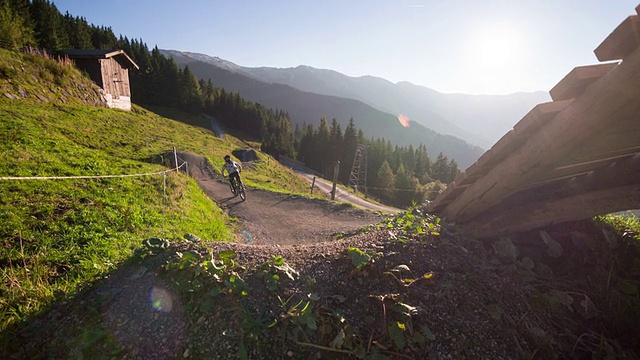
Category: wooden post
[175,156]
[335,180]
[313,183]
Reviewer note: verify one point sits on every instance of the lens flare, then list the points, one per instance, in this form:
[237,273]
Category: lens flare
[160,300]
[403,120]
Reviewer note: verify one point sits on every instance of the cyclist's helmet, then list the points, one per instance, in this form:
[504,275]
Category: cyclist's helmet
[227,158]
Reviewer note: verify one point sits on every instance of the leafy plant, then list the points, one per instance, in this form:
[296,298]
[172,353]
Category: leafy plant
[300,313]
[359,258]
[398,274]
[98,342]
[627,225]
[219,270]
[254,324]
[412,223]
[273,269]
[154,245]
[400,327]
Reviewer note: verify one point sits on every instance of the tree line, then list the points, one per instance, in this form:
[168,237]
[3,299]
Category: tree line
[399,174]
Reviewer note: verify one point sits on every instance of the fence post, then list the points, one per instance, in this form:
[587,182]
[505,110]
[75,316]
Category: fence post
[313,183]
[335,180]
[175,156]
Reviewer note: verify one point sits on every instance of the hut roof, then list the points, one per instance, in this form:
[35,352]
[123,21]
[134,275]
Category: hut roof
[121,56]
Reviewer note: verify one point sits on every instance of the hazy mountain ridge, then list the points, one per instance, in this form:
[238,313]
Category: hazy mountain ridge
[182,57]
[477,119]
[308,107]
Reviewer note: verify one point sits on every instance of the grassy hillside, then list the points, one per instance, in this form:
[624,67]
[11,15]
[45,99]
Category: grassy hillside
[58,235]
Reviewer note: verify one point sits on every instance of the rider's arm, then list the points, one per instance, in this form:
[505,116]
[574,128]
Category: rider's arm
[222,171]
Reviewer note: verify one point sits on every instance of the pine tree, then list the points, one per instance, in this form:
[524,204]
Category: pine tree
[409,159]
[140,80]
[407,188]
[103,38]
[78,32]
[423,165]
[335,144]
[188,91]
[377,154]
[306,148]
[385,181]
[322,148]
[278,137]
[15,25]
[440,169]
[454,171]
[48,25]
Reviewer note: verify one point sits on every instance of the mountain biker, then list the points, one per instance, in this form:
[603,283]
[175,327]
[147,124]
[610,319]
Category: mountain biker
[233,169]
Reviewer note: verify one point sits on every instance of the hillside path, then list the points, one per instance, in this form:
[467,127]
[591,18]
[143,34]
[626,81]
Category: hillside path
[324,186]
[279,219]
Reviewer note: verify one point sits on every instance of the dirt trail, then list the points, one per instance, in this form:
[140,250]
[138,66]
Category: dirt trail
[271,218]
[325,186]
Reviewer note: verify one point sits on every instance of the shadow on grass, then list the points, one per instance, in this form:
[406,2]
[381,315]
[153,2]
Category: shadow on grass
[131,312]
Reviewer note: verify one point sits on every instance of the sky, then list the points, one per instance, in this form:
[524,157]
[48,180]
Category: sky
[451,46]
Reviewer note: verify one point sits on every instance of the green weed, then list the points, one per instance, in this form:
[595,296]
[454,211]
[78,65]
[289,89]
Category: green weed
[360,258]
[627,225]
[413,223]
[274,270]
[215,275]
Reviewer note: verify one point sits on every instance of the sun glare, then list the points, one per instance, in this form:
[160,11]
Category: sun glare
[496,46]
[495,58]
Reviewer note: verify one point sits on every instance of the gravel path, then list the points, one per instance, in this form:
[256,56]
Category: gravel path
[271,218]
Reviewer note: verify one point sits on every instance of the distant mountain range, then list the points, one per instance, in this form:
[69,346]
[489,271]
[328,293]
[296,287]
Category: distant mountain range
[457,125]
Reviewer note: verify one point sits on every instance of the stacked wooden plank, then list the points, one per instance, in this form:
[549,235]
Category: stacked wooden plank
[569,159]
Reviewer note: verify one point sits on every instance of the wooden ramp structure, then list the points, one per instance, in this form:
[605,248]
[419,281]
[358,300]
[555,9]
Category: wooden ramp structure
[569,159]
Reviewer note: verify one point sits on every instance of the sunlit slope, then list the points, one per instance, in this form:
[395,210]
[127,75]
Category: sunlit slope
[61,232]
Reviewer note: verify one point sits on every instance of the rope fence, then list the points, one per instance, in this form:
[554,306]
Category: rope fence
[164,173]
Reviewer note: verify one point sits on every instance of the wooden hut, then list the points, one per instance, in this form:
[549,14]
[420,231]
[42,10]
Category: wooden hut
[109,69]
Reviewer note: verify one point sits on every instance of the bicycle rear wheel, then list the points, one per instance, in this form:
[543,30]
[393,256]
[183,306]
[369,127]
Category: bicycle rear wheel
[233,186]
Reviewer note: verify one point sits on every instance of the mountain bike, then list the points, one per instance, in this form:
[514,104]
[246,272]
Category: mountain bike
[237,189]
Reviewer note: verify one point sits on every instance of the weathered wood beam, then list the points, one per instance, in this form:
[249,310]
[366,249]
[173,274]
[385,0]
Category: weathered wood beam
[539,116]
[578,79]
[621,42]
[610,142]
[609,188]
[604,160]
[606,104]
[535,215]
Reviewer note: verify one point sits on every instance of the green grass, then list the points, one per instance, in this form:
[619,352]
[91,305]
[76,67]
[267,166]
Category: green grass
[58,236]
[628,225]
[37,76]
